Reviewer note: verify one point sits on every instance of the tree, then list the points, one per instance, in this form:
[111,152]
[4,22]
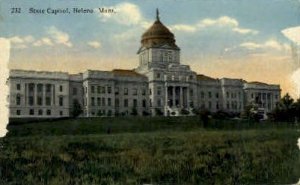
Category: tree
[286,109]
[77,109]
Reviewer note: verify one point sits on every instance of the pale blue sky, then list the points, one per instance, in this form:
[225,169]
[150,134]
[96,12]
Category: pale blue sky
[210,33]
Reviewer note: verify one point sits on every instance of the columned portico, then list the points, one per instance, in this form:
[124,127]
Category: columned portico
[177,96]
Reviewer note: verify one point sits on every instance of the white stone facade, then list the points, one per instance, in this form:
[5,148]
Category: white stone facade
[160,85]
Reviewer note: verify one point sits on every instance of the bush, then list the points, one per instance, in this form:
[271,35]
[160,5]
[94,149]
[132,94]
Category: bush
[158,112]
[221,115]
[184,112]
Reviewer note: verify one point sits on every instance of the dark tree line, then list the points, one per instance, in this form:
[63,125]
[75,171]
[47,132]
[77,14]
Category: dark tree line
[287,109]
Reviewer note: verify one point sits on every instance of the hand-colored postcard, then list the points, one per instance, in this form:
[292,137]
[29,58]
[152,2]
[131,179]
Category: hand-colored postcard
[150,92]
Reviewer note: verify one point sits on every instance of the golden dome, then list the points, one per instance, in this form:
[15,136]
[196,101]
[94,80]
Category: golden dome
[158,34]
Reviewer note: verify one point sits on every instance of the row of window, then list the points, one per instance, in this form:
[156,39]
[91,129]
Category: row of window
[108,90]
[39,112]
[263,96]
[39,100]
[39,87]
[216,95]
[210,105]
[233,95]
[209,94]
[234,105]
[108,102]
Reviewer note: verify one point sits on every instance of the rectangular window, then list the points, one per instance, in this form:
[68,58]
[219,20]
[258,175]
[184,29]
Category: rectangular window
[117,90]
[74,91]
[217,95]
[98,101]
[48,112]
[61,101]
[158,90]
[92,89]
[109,90]
[109,101]
[191,92]
[39,100]
[202,94]
[18,100]
[209,105]
[39,88]
[98,89]
[134,91]
[31,87]
[103,89]
[48,88]
[117,102]
[144,103]
[209,94]
[31,112]
[157,75]
[143,91]
[125,91]
[60,113]
[18,87]
[60,88]
[18,112]
[125,102]
[159,102]
[31,100]
[93,101]
[227,94]
[40,112]
[134,102]
[48,101]
[103,101]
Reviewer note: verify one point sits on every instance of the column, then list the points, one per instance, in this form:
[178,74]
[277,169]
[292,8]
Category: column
[26,94]
[173,91]
[166,96]
[44,94]
[188,98]
[53,94]
[35,94]
[181,97]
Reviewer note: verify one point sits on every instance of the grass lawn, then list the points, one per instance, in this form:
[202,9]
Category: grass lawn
[150,150]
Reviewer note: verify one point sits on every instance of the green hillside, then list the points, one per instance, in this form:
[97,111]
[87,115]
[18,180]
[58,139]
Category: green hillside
[150,151]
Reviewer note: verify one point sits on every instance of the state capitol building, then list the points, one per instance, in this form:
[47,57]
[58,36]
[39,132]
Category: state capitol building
[160,85]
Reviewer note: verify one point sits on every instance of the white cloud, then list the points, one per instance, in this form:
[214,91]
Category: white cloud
[94,44]
[43,41]
[183,27]
[21,41]
[59,37]
[221,22]
[245,31]
[269,44]
[250,45]
[292,33]
[54,36]
[126,14]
